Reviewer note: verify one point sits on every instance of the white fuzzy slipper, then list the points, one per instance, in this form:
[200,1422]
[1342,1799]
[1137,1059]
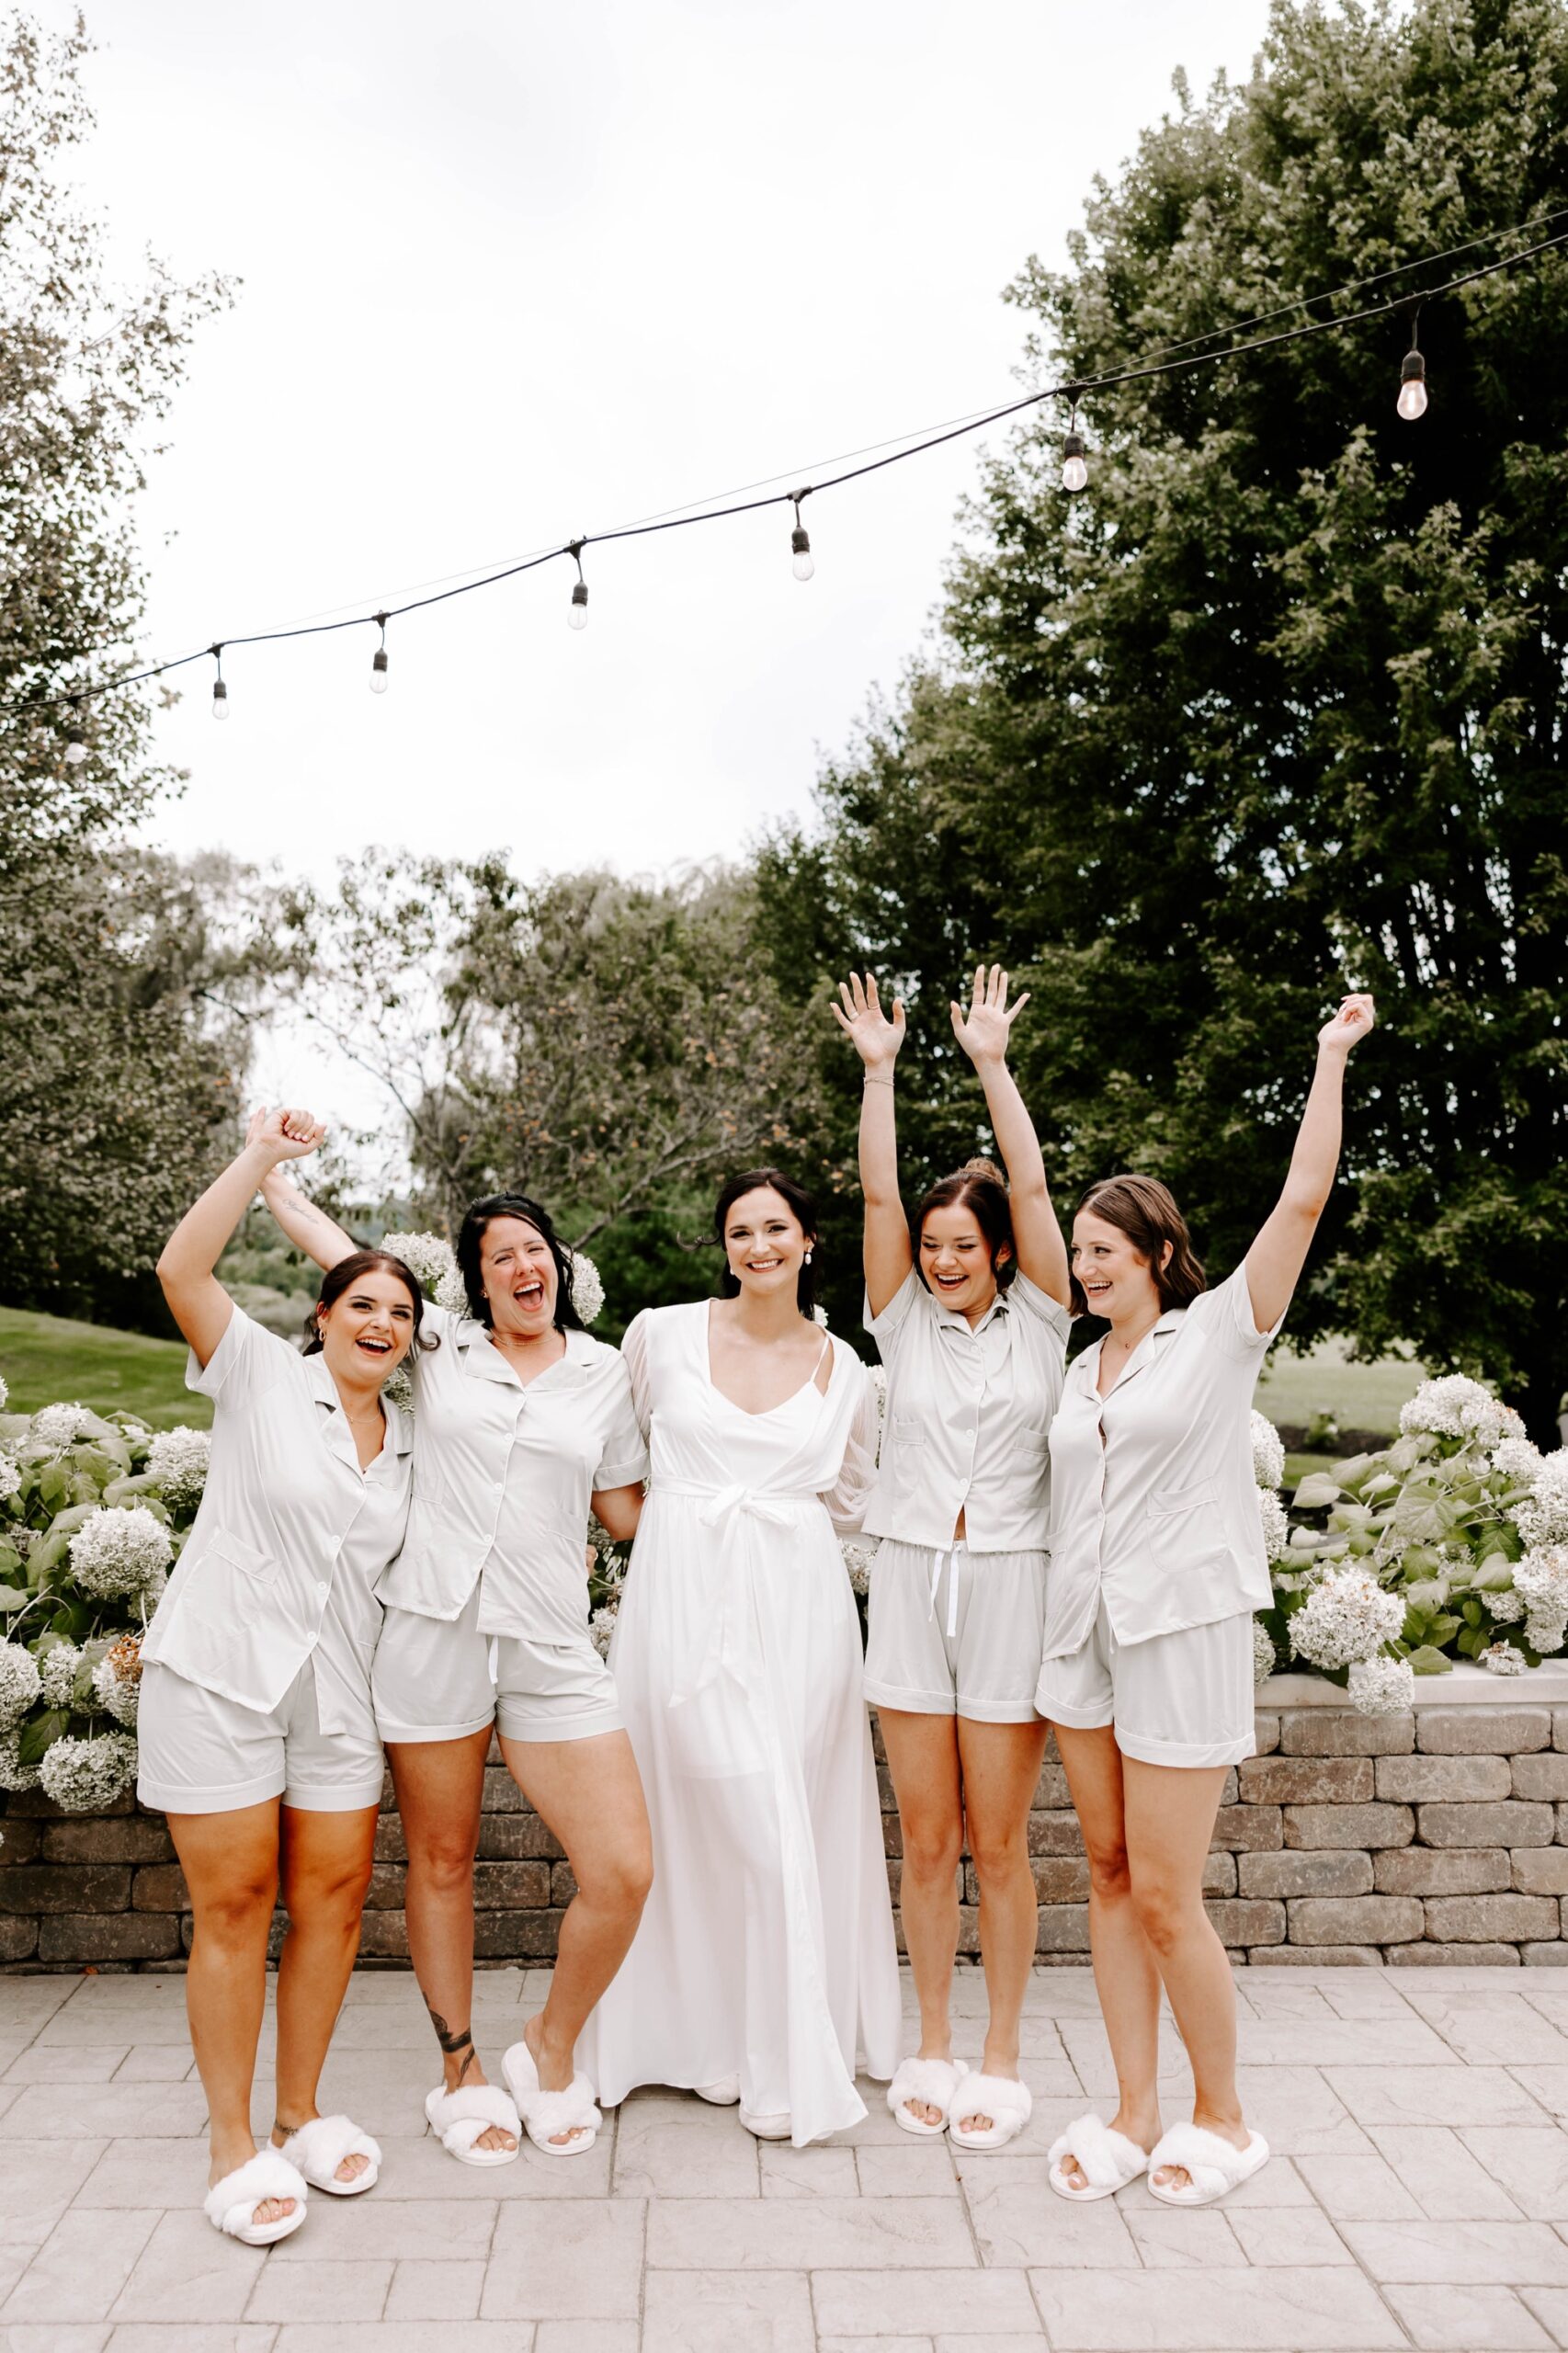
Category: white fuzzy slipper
[766,2128]
[1108,2160]
[723,2092]
[459,2117]
[1008,2103]
[544,2113]
[1212,2165]
[319,2147]
[934,2083]
[230,2203]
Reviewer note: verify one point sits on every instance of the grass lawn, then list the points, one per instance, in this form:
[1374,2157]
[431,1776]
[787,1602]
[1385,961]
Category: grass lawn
[45,1358]
[1360,1396]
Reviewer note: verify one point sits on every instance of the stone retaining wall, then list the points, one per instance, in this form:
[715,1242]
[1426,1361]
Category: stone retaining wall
[1438,1836]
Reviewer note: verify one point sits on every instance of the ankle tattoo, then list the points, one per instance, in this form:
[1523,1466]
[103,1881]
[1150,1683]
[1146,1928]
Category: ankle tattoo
[450,2042]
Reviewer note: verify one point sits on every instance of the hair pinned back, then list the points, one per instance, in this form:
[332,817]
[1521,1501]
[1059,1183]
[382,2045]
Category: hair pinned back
[980,1188]
[797,1200]
[1145,1211]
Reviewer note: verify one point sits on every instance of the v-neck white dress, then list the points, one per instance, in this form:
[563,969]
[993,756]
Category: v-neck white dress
[767,1946]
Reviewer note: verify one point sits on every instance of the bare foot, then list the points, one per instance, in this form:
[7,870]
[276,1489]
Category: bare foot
[922,2109]
[554,2076]
[269,2210]
[1144,2130]
[1228,2129]
[350,2170]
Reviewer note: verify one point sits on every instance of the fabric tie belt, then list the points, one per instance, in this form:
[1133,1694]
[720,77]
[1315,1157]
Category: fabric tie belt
[728,1649]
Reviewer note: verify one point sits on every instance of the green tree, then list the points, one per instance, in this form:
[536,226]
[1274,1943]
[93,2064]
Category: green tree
[118,1067]
[1276,707]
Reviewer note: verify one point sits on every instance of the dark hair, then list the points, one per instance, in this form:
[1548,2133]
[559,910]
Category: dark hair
[980,1187]
[796,1199]
[471,1233]
[1145,1211]
[348,1271]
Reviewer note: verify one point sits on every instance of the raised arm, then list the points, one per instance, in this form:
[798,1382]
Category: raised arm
[984,1032]
[308,1228]
[1274,1261]
[198,1301]
[877,1040]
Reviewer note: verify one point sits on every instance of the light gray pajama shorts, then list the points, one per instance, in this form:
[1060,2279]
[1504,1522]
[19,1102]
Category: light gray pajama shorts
[955,1632]
[441,1678]
[1183,1699]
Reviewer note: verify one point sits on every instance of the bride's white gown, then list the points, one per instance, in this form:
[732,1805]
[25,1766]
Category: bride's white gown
[766,1949]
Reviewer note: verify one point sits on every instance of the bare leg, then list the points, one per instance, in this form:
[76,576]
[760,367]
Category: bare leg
[923,1757]
[1126,1977]
[1001,1771]
[326,1870]
[590,1793]
[230,1862]
[440,1786]
[1170,1820]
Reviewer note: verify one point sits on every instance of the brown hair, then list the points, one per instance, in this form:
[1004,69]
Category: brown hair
[1145,1211]
[980,1187]
[349,1271]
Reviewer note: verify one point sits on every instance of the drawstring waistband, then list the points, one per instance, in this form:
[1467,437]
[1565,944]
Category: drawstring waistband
[955,1553]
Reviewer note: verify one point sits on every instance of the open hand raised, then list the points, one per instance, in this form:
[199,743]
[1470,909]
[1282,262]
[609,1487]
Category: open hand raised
[287,1134]
[1349,1025]
[984,1031]
[874,1038]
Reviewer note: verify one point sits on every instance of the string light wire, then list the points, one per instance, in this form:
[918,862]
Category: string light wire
[1172,360]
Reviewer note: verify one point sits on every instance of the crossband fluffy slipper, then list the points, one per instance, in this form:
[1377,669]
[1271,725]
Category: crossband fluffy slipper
[1008,2104]
[319,2147]
[933,2082]
[461,2118]
[230,2203]
[1107,2160]
[546,2113]
[1212,2165]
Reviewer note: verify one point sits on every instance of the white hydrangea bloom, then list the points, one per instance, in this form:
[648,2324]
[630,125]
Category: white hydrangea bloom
[60,1426]
[14,1774]
[1516,1458]
[1542,1516]
[1276,1526]
[1345,1617]
[397,1389]
[601,1626]
[1502,1658]
[1268,1452]
[117,1679]
[1262,1653]
[85,1776]
[1506,1607]
[1542,1577]
[1455,1406]
[425,1255]
[451,1293]
[10,1476]
[859,1557]
[120,1551]
[1382,1686]
[57,1673]
[587,1291]
[20,1685]
[177,1459]
[819,1315]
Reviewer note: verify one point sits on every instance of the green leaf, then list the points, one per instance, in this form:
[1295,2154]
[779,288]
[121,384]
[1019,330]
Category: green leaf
[40,1732]
[1428,1661]
[1319,1488]
[13,1597]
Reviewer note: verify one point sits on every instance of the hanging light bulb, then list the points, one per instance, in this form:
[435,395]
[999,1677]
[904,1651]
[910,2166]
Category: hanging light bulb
[75,741]
[378,659]
[800,540]
[1411,401]
[1074,472]
[220,691]
[578,615]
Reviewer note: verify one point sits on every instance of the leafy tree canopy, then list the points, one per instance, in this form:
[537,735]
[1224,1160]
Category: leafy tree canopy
[1276,707]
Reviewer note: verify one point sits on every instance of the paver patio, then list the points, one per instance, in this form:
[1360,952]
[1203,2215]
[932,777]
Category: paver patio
[1418,2195]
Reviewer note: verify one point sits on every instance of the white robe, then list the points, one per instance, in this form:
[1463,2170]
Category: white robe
[766,1949]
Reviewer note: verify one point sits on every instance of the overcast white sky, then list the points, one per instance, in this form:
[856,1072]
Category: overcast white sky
[513,271]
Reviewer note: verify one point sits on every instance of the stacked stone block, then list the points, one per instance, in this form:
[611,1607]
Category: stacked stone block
[1440,1835]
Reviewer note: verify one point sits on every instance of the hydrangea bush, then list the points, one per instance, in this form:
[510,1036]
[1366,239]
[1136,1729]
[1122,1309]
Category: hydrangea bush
[1450,1543]
[93,1511]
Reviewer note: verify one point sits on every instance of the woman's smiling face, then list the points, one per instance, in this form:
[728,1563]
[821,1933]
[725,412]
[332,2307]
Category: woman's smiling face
[765,1243]
[1117,1282]
[518,1270]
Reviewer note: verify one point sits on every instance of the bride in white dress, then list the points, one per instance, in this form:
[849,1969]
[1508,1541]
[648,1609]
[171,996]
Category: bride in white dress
[765,1965]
